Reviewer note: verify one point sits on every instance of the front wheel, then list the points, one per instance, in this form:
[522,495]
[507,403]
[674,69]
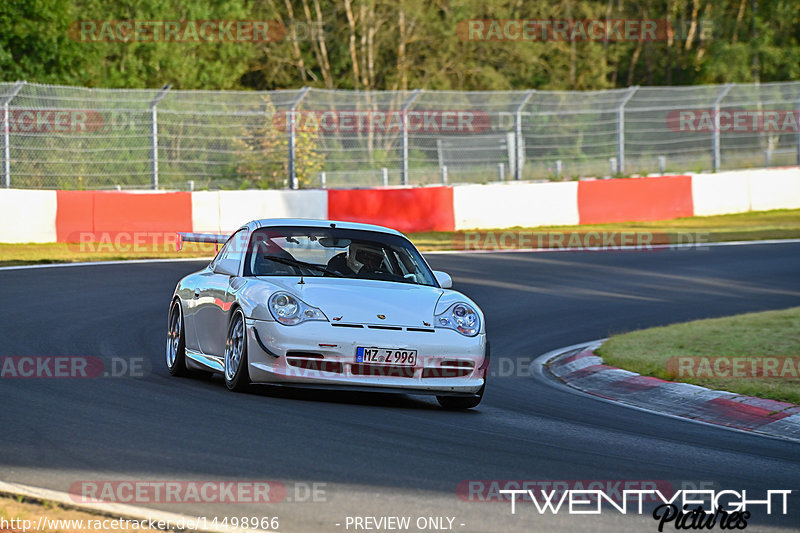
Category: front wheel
[176,341]
[237,377]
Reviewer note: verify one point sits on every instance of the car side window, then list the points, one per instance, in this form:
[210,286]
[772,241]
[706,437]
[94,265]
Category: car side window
[228,249]
[235,247]
[219,255]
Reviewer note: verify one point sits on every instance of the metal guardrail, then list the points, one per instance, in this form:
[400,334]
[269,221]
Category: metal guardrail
[80,138]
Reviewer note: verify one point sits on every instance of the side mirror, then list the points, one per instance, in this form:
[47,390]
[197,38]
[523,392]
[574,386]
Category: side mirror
[444,279]
[227,267]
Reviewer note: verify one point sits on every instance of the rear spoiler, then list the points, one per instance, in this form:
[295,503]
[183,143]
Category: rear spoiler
[199,237]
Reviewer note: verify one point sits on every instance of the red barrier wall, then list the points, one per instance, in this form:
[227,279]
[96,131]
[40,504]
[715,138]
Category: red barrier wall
[406,210]
[635,199]
[108,214]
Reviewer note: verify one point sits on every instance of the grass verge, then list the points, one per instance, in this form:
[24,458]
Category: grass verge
[15,511]
[755,225]
[777,224]
[62,252]
[755,354]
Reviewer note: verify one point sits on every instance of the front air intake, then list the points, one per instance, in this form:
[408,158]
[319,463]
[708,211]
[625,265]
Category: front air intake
[382,371]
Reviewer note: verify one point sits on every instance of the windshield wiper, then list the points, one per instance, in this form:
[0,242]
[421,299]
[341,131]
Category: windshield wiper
[297,263]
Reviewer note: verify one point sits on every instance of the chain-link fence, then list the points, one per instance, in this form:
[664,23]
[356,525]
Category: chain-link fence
[80,138]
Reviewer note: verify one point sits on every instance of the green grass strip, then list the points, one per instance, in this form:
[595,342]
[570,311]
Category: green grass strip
[754,354]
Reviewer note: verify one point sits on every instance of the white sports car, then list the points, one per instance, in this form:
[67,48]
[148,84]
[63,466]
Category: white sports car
[327,304]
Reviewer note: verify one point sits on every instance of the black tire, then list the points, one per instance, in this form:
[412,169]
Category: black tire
[176,341]
[237,377]
[461,402]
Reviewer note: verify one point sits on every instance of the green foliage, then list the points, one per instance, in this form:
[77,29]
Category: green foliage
[263,162]
[399,44]
[39,42]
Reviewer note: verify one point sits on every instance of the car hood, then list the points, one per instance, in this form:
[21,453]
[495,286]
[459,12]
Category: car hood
[357,301]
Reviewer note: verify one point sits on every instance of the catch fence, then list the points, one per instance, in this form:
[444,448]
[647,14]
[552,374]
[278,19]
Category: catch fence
[80,138]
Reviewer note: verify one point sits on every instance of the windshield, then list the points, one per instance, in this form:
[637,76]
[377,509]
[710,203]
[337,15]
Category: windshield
[334,252]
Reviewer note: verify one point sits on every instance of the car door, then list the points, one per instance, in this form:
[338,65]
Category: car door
[213,298]
[187,294]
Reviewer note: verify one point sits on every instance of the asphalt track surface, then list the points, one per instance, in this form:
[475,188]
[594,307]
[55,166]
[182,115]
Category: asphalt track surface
[379,455]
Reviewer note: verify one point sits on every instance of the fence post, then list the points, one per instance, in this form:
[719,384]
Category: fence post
[322,180]
[385,176]
[404,110]
[715,154]
[154,134]
[292,138]
[7,134]
[444,174]
[520,148]
[621,128]
[798,133]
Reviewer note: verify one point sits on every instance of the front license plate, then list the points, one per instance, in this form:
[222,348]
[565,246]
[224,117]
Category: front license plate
[386,356]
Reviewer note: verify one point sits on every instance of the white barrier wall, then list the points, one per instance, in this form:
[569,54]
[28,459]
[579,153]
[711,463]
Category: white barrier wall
[774,189]
[27,216]
[31,215]
[226,211]
[515,204]
[722,193]
[205,212]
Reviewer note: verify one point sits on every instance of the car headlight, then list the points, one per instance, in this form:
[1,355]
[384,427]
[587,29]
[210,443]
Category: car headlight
[290,311]
[461,317]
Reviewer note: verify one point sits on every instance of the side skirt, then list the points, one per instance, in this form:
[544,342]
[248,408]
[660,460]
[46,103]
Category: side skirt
[214,363]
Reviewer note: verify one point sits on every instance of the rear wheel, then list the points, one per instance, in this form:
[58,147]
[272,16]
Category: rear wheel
[176,341]
[237,377]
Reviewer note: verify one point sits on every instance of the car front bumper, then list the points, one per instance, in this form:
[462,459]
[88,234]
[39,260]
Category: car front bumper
[319,355]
